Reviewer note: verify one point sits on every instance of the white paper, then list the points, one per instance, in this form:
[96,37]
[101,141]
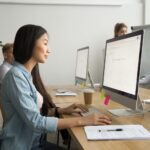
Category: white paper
[128,132]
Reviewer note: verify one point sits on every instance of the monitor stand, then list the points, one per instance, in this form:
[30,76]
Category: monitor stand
[83,82]
[129,112]
[90,79]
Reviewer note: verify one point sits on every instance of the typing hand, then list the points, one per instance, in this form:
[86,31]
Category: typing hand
[97,119]
[75,108]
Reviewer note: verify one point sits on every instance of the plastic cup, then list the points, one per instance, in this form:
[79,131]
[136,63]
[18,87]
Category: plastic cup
[88,94]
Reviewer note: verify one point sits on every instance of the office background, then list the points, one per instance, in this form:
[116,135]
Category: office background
[71,24]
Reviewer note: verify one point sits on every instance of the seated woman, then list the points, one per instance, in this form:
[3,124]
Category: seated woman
[25,101]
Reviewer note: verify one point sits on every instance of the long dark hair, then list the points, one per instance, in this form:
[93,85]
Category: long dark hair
[24,44]
[37,81]
[25,40]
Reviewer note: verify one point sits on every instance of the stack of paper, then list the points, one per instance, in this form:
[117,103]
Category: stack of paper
[116,132]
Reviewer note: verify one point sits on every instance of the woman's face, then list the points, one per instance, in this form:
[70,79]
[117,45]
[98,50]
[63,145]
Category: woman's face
[122,31]
[40,53]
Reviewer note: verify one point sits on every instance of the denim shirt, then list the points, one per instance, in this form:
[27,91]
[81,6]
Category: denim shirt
[23,121]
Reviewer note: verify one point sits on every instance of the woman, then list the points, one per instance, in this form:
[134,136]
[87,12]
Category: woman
[22,99]
[120,29]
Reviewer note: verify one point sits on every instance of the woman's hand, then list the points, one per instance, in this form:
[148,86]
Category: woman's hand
[75,108]
[96,119]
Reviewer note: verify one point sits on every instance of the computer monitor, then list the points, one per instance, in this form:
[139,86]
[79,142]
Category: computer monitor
[145,60]
[121,71]
[82,65]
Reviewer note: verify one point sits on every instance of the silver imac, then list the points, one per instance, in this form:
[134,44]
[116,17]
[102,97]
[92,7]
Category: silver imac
[121,72]
[145,60]
[82,62]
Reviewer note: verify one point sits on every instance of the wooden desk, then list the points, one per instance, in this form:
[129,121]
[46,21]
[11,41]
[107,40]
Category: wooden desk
[78,134]
[65,100]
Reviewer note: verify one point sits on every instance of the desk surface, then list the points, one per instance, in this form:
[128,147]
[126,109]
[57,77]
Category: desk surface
[78,134]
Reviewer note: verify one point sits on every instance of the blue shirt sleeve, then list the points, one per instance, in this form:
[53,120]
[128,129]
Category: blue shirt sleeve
[22,99]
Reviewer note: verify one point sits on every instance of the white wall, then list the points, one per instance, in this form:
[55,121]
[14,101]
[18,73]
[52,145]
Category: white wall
[70,27]
[147,11]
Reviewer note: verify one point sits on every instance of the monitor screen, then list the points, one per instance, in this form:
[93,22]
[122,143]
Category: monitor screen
[122,65]
[145,61]
[82,63]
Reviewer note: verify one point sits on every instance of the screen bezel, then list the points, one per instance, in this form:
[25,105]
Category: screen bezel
[139,63]
[78,50]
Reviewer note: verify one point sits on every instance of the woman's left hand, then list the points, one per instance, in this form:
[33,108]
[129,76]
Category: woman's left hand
[75,108]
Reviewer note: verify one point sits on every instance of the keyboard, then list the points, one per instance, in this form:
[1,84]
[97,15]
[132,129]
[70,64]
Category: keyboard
[92,110]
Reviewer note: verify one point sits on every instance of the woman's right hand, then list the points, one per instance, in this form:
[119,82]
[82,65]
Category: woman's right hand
[94,119]
[97,119]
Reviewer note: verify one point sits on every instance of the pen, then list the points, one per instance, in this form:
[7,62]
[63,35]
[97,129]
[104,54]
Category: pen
[110,130]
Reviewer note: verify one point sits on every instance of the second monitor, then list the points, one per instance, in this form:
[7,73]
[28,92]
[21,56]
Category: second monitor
[82,67]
